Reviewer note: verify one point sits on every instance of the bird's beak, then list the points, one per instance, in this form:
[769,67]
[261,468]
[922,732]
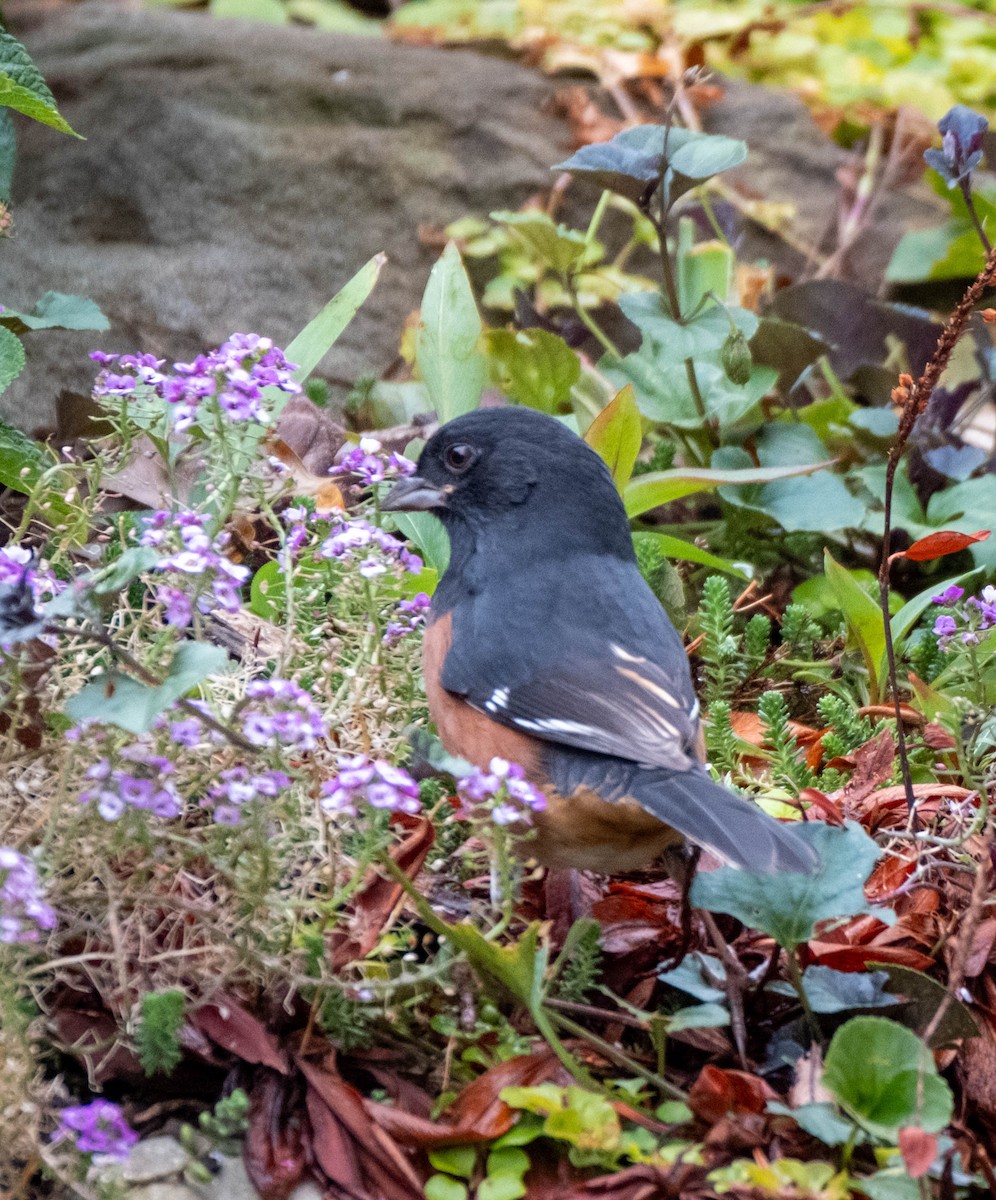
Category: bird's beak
[414,494]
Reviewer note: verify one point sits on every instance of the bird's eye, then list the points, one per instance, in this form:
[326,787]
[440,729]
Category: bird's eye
[459,457]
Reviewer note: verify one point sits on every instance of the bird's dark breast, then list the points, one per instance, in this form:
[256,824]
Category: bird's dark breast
[580,829]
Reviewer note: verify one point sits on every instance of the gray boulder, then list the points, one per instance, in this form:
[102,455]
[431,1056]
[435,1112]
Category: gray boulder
[234,176]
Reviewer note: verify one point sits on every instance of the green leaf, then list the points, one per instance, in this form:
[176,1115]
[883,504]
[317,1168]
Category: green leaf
[674,1112]
[886,1078]
[56,310]
[948,251]
[533,367]
[559,247]
[787,906]
[23,89]
[631,160]
[268,592]
[922,996]
[816,504]
[500,1187]
[830,991]
[821,1121]
[124,569]
[448,355]
[508,1160]
[11,359]
[645,492]
[455,1160]
[8,154]
[442,1187]
[674,342]
[863,617]
[428,535]
[697,1016]
[117,699]
[678,548]
[893,1184]
[616,434]
[322,332]
[271,11]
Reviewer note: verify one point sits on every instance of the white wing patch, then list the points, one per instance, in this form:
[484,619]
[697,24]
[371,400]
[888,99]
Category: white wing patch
[499,699]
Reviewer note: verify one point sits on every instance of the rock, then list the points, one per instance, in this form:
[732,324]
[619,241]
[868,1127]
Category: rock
[153,1158]
[231,1183]
[162,1191]
[235,176]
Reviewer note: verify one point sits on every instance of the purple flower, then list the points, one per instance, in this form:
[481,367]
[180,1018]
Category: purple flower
[379,549]
[280,713]
[98,1128]
[144,785]
[185,546]
[234,377]
[177,605]
[950,595]
[376,782]
[370,464]
[23,909]
[504,789]
[945,626]
[962,134]
[409,615]
[238,786]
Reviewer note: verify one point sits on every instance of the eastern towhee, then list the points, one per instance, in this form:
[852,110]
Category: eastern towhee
[546,647]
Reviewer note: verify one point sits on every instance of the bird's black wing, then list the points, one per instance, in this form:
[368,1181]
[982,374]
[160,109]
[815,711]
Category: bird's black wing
[601,669]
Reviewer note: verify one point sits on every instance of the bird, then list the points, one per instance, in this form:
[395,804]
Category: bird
[544,646]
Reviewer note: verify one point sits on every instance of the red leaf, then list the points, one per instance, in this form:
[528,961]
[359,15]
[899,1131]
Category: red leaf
[238,1031]
[717,1092]
[349,1147]
[273,1151]
[936,545]
[919,1150]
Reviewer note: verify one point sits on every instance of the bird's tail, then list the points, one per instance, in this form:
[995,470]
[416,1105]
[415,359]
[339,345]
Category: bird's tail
[732,827]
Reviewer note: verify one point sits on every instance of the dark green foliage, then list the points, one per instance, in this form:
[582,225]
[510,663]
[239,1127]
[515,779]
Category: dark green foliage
[346,1022]
[848,729]
[926,658]
[721,741]
[662,458]
[787,767]
[757,639]
[582,969]
[317,391]
[157,1039]
[799,631]
[720,648]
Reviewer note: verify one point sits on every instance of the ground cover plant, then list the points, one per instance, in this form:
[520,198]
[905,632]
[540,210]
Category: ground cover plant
[241,884]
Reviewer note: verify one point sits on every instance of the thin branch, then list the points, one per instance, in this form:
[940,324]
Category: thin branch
[914,397]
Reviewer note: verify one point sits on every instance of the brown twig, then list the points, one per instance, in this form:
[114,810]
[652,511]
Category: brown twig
[970,921]
[913,396]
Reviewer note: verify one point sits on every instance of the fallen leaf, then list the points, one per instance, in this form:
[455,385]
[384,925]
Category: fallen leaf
[718,1092]
[230,1026]
[273,1150]
[873,763]
[373,905]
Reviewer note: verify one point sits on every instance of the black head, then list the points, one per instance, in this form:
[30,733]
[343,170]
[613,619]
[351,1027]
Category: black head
[498,465]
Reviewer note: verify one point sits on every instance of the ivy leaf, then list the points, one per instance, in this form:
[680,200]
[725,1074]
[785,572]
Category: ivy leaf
[886,1078]
[23,89]
[788,906]
[645,492]
[559,247]
[533,367]
[631,160]
[830,991]
[117,699]
[56,310]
